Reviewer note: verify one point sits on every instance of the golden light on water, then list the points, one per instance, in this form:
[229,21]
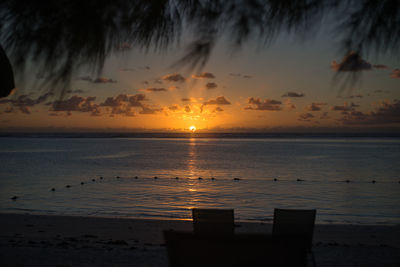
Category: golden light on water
[192,128]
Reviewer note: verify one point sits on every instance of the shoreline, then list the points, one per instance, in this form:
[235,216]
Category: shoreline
[51,240]
[155,218]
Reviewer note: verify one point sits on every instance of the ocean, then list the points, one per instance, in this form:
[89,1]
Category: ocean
[114,176]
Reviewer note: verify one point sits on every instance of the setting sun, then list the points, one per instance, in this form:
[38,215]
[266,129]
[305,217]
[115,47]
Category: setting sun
[192,128]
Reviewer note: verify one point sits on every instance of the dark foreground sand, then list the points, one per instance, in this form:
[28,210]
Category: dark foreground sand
[39,240]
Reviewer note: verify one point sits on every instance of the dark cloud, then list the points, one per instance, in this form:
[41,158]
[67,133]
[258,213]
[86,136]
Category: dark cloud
[25,102]
[235,74]
[115,101]
[187,109]
[149,111]
[380,66]
[354,96]
[175,77]
[218,109]
[123,104]
[247,76]
[136,100]
[156,90]
[204,75]
[174,108]
[221,100]
[293,94]
[76,103]
[210,86]
[351,62]
[385,113]
[395,74]
[345,108]
[158,81]
[104,80]
[266,104]
[305,117]
[314,106]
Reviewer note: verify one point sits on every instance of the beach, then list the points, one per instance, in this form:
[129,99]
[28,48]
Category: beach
[48,240]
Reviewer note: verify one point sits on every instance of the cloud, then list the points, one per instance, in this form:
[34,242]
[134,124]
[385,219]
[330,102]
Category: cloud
[345,108]
[221,100]
[123,104]
[293,94]
[156,90]
[289,105]
[247,76]
[218,109]
[175,77]
[203,75]
[25,102]
[305,117]
[104,80]
[266,104]
[115,101]
[385,113]
[354,96]
[185,99]
[174,108]
[314,106]
[380,66]
[76,103]
[235,74]
[149,111]
[210,86]
[395,74]
[351,62]
[187,109]
[136,100]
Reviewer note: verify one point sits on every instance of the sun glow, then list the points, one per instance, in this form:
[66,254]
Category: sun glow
[192,128]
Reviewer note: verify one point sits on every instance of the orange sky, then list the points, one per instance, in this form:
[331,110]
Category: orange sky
[288,85]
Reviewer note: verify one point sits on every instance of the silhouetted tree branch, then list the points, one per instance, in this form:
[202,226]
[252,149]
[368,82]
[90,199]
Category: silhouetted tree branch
[62,36]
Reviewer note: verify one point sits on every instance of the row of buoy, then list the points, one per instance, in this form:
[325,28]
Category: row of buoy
[176,178]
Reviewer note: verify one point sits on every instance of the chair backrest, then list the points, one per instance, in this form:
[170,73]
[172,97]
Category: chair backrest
[190,249]
[295,222]
[213,221]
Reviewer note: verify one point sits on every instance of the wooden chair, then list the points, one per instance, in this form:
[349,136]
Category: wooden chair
[213,221]
[296,222]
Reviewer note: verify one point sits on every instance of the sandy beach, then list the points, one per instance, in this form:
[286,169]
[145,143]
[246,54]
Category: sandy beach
[41,240]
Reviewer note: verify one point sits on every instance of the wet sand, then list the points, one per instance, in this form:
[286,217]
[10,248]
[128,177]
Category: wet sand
[41,240]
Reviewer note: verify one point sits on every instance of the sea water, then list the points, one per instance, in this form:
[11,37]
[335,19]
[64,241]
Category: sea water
[115,177]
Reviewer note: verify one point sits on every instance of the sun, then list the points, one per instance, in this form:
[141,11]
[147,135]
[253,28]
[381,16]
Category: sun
[192,128]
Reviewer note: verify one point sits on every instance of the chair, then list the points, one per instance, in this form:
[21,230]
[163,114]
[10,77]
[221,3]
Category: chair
[241,250]
[213,221]
[296,222]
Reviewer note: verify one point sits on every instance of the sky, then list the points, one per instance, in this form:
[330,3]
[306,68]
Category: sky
[288,86]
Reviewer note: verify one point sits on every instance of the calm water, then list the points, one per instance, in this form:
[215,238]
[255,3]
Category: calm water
[30,167]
